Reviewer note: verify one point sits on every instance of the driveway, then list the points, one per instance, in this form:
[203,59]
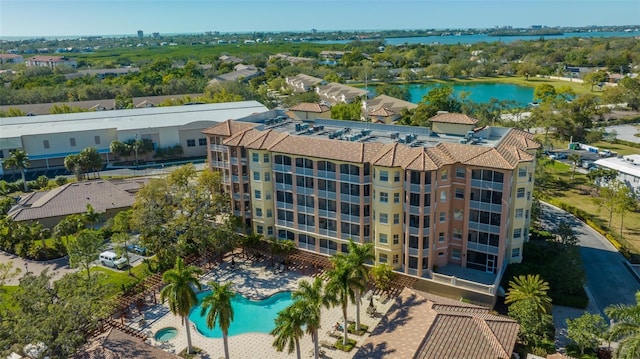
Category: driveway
[609,280]
[58,267]
[625,132]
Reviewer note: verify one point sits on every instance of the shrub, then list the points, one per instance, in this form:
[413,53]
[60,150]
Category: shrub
[61,180]
[350,344]
[352,329]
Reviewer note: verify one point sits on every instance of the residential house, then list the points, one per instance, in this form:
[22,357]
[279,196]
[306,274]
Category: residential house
[50,61]
[245,74]
[103,73]
[230,59]
[335,93]
[11,59]
[292,59]
[50,207]
[303,83]
[385,109]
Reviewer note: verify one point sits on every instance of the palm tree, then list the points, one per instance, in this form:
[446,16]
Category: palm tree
[627,327]
[92,216]
[179,292]
[575,160]
[288,330]
[340,287]
[309,296]
[18,160]
[219,305]
[529,287]
[357,257]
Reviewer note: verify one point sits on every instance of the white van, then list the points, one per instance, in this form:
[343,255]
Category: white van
[111,259]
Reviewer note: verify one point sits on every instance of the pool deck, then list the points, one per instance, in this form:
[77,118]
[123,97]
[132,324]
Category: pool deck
[257,280]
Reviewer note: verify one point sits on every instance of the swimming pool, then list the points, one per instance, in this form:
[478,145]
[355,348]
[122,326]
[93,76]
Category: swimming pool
[249,315]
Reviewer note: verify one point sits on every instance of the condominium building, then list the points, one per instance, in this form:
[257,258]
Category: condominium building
[454,202]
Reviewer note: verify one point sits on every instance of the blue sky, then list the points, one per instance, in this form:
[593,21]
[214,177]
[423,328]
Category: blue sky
[102,17]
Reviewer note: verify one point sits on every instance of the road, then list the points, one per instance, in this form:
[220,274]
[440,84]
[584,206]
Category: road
[609,280]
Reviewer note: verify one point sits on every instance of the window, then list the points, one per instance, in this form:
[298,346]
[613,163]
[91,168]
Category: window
[458,214]
[528,195]
[515,252]
[396,198]
[255,157]
[267,176]
[396,176]
[269,213]
[440,254]
[384,218]
[517,233]
[382,238]
[522,172]
[441,237]
[191,143]
[384,197]
[45,143]
[396,218]
[455,253]
[384,176]
[396,239]
[443,217]
[382,258]
[457,233]
[72,142]
[256,176]
[202,141]
[265,158]
[395,259]
[258,212]
[96,139]
[459,193]
[460,172]
[270,231]
[259,229]
[520,192]
[268,195]
[257,194]
[443,196]
[519,212]
[444,175]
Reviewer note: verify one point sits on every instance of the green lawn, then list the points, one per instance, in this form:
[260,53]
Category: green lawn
[119,278]
[573,192]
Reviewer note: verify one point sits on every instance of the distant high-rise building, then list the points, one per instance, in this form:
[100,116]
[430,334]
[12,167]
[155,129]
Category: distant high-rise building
[155,35]
[140,34]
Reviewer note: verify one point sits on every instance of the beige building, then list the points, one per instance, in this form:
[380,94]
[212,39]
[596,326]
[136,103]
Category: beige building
[309,111]
[443,207]
[453,123]
[385,109]
[48,139]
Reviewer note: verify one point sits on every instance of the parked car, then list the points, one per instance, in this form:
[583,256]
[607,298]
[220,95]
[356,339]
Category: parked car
[111,259]
[137,249]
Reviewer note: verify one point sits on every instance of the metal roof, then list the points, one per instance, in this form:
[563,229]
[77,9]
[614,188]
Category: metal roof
[122,120]
[620,165]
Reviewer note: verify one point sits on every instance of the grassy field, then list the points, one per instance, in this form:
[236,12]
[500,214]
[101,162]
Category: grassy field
[574,192]
[119,279]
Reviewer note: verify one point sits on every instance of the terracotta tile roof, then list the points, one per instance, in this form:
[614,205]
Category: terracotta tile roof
[389,103]
[310,107]
[228,127]
[266,140]
[521,139]
[457,118]
[72,198]
[328,149]
[392,155]
[419,160]
[241,138]
[9,56]
[48,58]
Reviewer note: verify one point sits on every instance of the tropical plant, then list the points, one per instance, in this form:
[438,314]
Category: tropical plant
[179,292]
[586,330]
[309,296]
[288,329]
[357,256]
[85,250]
[626,328]
[18,160]
[529,287]
[217,307]
[382,275]
[340,287]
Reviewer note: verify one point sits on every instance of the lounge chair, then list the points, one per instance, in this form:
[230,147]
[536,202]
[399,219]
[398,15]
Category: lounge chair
[333,333]
[328,345]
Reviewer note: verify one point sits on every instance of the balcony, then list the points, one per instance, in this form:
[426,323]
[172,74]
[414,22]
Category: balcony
[304,190]
[218,148]
[284,205]
[350,178]
[305,209]
[487,184]
[326,174]
[304,171]
[281,168]
[485,248]
[484,227]
[219,164]
[284,187]
[326,194]
[417,188]
[489,207]
[328,232]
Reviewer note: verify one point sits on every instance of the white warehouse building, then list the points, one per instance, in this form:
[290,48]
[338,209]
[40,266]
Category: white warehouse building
[628,168]
[48,139]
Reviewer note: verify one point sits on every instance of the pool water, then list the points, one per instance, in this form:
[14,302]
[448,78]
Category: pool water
[166,334]
[249,315]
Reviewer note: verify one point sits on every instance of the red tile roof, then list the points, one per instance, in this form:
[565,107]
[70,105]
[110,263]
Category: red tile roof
[310,107]
[457,118]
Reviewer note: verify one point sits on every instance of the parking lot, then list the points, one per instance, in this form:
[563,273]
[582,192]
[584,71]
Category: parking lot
[585,157]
